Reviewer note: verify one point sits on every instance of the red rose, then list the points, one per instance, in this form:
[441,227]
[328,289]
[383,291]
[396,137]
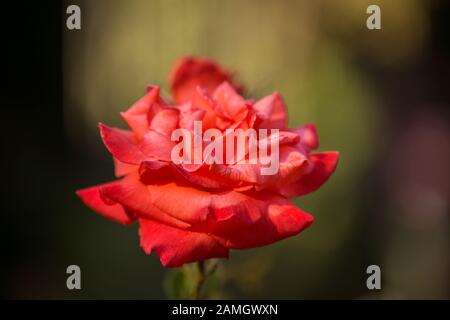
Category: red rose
[189,213]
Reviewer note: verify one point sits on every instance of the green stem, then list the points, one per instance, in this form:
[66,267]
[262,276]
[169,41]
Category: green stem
[201,280]
[205,269]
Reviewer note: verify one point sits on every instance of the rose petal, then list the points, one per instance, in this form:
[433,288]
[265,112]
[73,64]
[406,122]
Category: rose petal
[93,199]
[121,168]
[165,121]
[189,114]
[155,172]
[211,177]
[121,144]
[156,146]
[136,117]
[156,143]
[291,164]
[279,219]
[133,194]
[322,166]
[272,111]
[188,73]
[184,202]
[179,198]
[309,139]
[230,102]
[203,101]
[176,247]
[284,137]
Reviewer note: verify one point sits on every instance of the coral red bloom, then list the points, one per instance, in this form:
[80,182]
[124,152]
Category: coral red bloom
[191,213]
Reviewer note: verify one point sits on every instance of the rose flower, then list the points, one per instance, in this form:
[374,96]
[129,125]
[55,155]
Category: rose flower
[192,212]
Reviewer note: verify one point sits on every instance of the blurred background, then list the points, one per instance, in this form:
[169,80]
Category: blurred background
[379,97]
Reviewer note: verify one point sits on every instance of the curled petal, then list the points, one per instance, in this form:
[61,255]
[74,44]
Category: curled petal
[178,197]
[322,165]
[122,169]
[109,209]
[194,206]
[241,174]
[291,165]
[156,146]
[203,101]
[157,143]
[230,102]
[137,117]
[188,73]
[309,139]
[283,138]
[165,121]
[279,219]
[202,178]
[176,247]
[155,172]
[189,114]
[122,144]
[133,194]
[272,111]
